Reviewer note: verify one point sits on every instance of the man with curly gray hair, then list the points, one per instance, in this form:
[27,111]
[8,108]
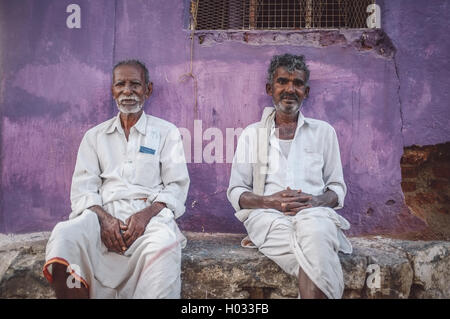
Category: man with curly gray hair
[288,195]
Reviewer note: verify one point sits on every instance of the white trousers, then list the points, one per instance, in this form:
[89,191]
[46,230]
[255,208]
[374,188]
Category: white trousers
[310,240]
[150,268]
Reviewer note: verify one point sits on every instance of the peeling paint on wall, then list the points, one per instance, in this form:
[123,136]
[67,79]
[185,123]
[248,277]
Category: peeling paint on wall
[376,41]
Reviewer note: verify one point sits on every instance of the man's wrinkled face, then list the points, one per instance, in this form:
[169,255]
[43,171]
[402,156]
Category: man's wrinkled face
[288,89]
[129,89]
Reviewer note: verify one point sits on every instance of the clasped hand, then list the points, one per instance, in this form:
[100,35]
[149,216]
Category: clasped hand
[119,236]
[290,201]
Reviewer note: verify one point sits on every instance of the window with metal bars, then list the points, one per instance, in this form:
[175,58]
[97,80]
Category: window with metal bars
[278,14]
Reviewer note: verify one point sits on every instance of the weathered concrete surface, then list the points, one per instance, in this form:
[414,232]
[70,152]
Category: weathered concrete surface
[21,261]
[215,266]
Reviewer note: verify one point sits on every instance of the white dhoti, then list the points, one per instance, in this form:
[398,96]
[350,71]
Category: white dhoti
[310,240]
[150,268]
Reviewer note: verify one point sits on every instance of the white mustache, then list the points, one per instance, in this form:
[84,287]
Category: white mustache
[131,97]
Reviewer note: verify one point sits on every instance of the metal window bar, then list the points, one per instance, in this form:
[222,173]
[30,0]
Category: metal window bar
[281,14]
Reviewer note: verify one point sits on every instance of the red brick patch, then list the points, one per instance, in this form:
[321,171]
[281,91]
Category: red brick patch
[439,185]
[441,170]
[410,171]
[416,156]
[425,198]
[409,186]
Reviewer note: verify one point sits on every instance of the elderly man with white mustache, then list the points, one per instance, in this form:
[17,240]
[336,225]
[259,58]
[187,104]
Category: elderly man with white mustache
[129,185]
[286,183]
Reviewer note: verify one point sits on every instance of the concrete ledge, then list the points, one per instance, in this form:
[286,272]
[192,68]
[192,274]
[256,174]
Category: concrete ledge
[215,266]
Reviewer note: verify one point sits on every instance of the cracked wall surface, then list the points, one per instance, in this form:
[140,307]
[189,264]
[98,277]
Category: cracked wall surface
[381,90]
[374,40]
[419,30]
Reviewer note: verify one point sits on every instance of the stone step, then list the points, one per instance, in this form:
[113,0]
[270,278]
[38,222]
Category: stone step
[216,266]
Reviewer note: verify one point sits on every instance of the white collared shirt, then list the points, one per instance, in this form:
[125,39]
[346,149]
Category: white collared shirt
[151,164]
[313,164]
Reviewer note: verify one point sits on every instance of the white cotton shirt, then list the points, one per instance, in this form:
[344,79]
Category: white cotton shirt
[151,164]
[313,164]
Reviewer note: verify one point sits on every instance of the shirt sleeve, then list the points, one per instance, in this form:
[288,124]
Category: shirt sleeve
[241,177]
[332,170]
[174,174]
[86,179]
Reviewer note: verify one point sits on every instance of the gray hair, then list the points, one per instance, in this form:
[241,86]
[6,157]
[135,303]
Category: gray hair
[135,63]
[290,62]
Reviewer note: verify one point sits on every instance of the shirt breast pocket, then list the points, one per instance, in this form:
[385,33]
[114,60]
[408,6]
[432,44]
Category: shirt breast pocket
[147,171]
[312,168]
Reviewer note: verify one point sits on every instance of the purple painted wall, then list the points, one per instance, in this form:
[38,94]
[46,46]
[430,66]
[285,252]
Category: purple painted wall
[420,32]
[55,84]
